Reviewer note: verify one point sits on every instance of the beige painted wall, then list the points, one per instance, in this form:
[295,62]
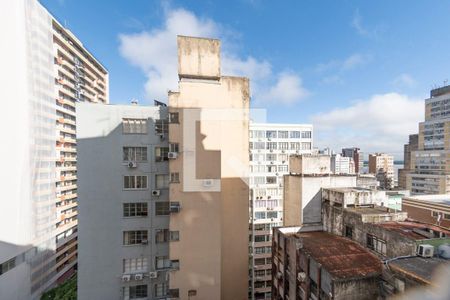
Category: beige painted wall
[213,222]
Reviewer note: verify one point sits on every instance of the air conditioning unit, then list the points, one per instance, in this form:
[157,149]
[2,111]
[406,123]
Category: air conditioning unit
[156,193]
[208,183]
[144,242]
[425,250]
[138,276]
[301,276]
[153,275]
[175,207]
[161,136]
[132,164]
[172,155]
[126,278]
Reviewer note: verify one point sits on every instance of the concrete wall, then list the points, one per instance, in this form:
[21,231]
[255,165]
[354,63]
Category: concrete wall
[363,289]
[213,222]
[308,206]
[310,164]
[101,196]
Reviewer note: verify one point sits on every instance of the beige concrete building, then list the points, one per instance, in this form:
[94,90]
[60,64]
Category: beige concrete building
[430,164]
[302,188]
[209,163]
[412,145]
[48,70]
[382,165]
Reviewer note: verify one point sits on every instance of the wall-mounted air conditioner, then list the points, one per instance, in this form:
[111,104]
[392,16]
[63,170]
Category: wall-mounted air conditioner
[425,250]
[153,275]
[139,277]
[156,193]
[126,278]
[301,276]
[172,155]
[132,164]
[144,242]
[175,207]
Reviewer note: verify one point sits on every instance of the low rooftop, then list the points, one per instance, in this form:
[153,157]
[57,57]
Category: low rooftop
[421,269]
[348,189]
[374,210]
[341,257]
[415,230]
[443,199]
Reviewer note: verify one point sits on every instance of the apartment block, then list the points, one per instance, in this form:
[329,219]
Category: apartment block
[313,264]
[208,166]
[430,166]
[342,165]
[308,174]
[358,157]
[432,209]
[412,145]
[270,147]
[52,70]
[124,202]
[382,165]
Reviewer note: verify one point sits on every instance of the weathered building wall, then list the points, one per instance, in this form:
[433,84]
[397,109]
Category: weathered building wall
[362,289]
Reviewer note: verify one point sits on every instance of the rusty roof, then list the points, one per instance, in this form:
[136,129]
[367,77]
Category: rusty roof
[406,228]
[339,256]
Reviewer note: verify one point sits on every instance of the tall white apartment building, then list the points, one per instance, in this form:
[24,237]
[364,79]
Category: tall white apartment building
[341,164]
[45,71]
[270,147]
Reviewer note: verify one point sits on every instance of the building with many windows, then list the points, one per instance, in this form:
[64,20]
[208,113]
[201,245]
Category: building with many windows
[358,158]
[124,209]
[382,166]
[412,145]
[430,164]
[53,71]
[270,147]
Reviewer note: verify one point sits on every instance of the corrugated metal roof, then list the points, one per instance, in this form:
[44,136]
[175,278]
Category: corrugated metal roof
[341,257]
[406,228]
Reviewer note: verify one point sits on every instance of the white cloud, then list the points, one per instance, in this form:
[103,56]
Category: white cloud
[357,24]
[353,61]
[381,123]
[287,90]
[404,80]
[155,53]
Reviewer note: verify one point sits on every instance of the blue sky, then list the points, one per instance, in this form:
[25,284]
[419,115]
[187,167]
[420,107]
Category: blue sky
[357,70]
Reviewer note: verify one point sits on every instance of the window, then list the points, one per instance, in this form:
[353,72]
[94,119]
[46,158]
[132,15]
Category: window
[260,273]
[282,157]
[174,177]
[271,134]
[161,127]
[139,209]
[295,146]
[376,244]
[161,289]
[447,216]
[271,157]
[271,145]
[283,145]
[162,208]
[306,134]
[135,292]
[8,265]
[294,134]
[272,214]
[174,293]
[162,262]
[283,134]
[175,264]
[282,168]
[134,126]
[161,181]
[161,236]
[260,261]
[349,232]
[135,237]
[259,145]
[174,236]
[135,182]
[138,154]
[174,147]
[174,117]
[271,179]
[271,169]
[161,154]
[260,215]
[306,146]
[135,265]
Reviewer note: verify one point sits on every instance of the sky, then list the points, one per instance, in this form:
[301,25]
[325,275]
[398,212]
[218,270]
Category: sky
[359,71]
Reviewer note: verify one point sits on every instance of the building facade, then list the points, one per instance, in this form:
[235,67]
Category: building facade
[308,174]
[342,165]
[124,209]
[209,164]
[412,145]
[432,209]
[358,158]
[43,251]
[382,165]
[430,166]
[270,148]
